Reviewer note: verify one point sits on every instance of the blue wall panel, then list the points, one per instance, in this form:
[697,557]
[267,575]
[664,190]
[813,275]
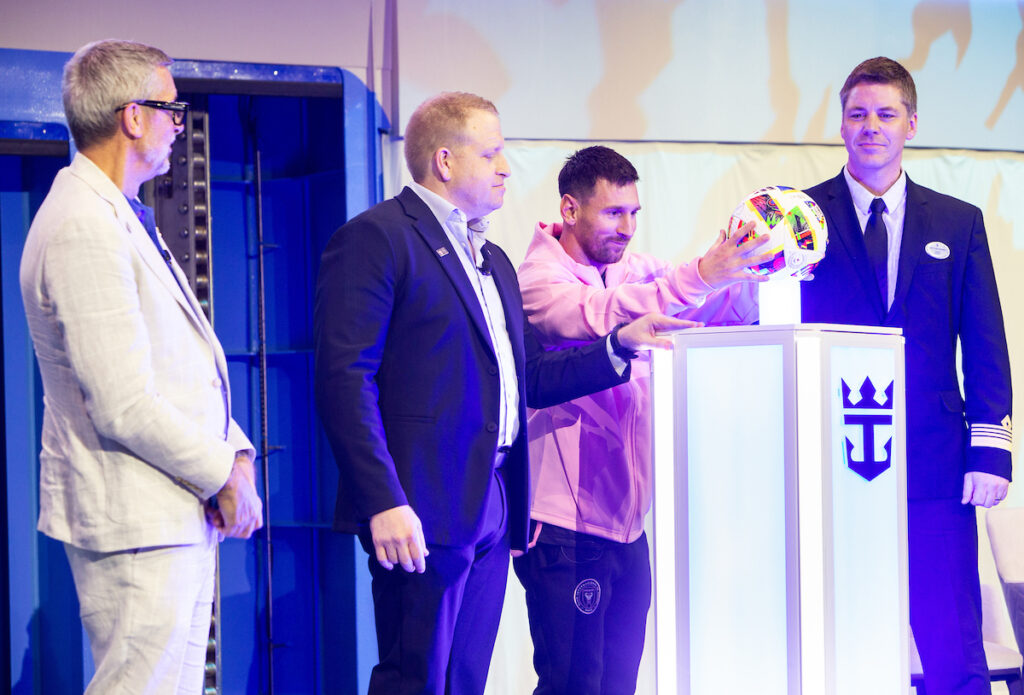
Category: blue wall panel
[30,85]
[42,604]
[304,181]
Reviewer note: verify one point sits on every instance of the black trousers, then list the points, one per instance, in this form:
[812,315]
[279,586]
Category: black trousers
[945,596]
[436,630]
[587,599]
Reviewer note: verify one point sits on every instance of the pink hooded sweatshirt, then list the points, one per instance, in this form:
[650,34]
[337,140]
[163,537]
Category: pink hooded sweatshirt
[590,459]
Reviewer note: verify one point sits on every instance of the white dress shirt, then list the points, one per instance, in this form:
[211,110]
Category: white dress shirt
[895,209]
[467,238]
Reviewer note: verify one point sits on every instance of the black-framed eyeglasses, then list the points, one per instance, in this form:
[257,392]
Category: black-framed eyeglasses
[177,109]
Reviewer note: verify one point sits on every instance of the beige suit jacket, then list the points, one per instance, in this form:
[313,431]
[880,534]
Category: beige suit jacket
[137,427]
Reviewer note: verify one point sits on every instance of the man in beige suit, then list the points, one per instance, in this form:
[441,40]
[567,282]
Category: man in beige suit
[142,466]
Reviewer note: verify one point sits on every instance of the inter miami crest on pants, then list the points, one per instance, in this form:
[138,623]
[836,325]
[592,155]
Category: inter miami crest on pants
[587,596]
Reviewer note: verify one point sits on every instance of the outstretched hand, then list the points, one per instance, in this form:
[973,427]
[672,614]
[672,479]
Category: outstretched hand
[642,333]
[726,262]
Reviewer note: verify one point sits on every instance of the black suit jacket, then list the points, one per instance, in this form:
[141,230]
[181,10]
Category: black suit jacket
[939,300]
[407,379]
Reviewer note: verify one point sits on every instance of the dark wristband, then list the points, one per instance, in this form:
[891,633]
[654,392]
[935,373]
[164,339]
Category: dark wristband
[618,348]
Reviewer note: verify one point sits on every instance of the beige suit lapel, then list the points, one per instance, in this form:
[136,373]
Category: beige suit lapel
[151,256]
[195,310]
[170,275]
[85,169]
[198,316]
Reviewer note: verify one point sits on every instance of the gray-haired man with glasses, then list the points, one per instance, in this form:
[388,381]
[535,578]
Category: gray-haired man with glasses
[142,466]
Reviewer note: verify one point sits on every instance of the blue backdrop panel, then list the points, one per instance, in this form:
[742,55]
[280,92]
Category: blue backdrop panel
[42,609]
[299,142]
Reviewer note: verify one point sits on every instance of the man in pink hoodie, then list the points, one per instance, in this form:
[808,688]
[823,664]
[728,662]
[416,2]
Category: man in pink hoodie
[588,576]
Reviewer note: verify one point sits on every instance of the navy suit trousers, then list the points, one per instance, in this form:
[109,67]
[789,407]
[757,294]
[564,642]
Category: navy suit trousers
[436,630]
[945,597]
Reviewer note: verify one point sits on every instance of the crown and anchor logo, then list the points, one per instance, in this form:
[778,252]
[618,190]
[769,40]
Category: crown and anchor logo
[871,416]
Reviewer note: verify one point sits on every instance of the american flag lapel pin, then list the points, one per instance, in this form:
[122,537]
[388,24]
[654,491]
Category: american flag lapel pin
[441,252]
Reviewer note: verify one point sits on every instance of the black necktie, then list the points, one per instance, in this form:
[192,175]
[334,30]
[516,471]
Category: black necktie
[877,242]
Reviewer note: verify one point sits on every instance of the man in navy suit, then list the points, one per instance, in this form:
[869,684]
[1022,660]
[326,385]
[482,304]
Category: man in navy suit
[902,255]
[424,368]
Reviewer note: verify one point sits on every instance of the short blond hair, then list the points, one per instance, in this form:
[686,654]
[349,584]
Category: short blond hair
[438,122]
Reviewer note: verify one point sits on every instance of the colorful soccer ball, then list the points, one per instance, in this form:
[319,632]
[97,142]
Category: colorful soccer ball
[795,224]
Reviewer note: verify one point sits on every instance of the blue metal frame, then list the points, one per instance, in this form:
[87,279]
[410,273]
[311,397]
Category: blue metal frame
[25,130]
[42,608]
[30,85]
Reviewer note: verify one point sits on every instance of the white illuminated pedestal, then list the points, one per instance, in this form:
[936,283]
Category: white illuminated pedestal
[779,301]
[779,542]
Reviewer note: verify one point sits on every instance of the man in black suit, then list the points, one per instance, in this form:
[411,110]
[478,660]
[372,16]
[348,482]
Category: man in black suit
[424,368]
[902,255]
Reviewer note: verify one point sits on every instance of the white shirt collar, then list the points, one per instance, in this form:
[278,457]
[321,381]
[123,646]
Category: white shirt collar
[862,197]
[445,211]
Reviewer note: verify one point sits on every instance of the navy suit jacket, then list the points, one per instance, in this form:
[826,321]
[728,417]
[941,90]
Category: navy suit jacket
[407,379]
[938,300]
